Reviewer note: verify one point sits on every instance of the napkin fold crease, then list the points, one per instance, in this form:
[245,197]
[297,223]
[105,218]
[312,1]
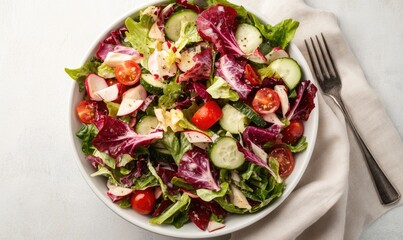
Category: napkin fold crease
[335,198]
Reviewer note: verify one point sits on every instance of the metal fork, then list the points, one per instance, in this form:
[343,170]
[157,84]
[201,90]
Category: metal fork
[330,83]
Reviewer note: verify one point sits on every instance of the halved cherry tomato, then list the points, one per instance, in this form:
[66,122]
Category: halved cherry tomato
[265,101]
[143,201]
[251,75]
[293,132]
[111,81]
[285,159]
[207,115]
[128,73]
[86,111]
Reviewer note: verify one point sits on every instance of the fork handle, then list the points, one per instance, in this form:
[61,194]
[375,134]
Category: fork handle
[386,191]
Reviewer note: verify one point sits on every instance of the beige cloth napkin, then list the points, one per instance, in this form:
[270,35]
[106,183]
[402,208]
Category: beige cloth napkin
[335,198]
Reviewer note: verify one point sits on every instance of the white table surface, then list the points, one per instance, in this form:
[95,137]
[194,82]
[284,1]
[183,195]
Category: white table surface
[43,195]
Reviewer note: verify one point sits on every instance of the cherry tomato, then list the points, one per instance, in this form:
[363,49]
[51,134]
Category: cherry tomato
[293,132]
[285,159]
[143,201]
[86,111]
[207,115]
[128,73]
[111,81]
[265,101]
[251,75]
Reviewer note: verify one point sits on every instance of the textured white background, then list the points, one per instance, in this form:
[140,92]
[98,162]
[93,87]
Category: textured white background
[43,195]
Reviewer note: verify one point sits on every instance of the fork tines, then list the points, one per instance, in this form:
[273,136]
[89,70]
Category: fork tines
[322,62]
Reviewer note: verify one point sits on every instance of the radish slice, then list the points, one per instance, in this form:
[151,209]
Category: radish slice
[276,53]
[213,225]
[119,193]
[94,83]
[114,59]
[157,192]
[136,93]
[281,91]
[202,145]
[129,106]
[196,137]
[272,118]
[110,93]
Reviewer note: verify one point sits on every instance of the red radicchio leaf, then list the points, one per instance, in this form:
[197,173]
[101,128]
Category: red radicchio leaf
[260,136]
[304,102]
[95,161]
[200,90]
[251,157]
[232,71]
[187,5]
[147,102]
[199,214]
[217,24]
[163,15]
[195,168]
[202,68]
[116,138]
[163,205]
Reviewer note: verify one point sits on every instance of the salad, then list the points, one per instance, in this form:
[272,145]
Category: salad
[194,112]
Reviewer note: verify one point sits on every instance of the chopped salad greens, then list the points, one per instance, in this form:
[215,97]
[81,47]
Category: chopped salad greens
[193,113]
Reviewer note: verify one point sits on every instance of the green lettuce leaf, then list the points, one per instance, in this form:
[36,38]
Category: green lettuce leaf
[179,205]
[177,147]
[240,9]
[299,146]
[188,34]
[147,180]
[79,74]
[221,89]
[108,161]
[137,36]
[113,108]
[279,35]
[103,171]
[106,71]
[172,92]
[86,133]
[208,195]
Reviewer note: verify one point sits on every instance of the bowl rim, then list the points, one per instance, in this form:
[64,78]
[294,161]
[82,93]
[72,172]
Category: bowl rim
[166,231]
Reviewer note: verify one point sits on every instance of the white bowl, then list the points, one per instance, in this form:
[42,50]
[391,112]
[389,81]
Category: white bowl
[233,222]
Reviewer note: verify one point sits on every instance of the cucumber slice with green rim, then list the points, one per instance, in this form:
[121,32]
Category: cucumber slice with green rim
[250,113]
[174,23]
[146,125]
[152,85]
[225,154]
[288,70]
[248,37]
[232,120]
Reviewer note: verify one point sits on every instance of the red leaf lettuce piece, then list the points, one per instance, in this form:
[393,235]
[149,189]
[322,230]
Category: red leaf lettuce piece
[195,168]
[115,138]
[202,68]
[232,71]
[304,102]
[218,24]
[95,161]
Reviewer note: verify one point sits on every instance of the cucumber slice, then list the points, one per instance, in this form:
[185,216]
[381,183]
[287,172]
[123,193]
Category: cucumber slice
[249,113]
[174,23]
[225,154]
[232,120]
[152,85]
[248,37]
[146,125]
[288,70]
